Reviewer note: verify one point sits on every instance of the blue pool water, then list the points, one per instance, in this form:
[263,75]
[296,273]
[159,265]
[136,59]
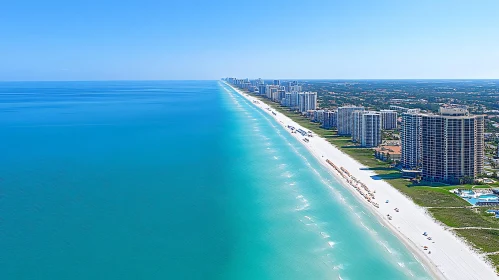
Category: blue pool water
[488,196]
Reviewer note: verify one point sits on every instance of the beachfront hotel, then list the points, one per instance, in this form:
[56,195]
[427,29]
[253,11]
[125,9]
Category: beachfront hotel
[452,145]
[307,101]
[272,92]
[366,128]
[292,86]
[295,88]
[345,121]
[262,89]
[330,119]
[317,116]
[388,119]
[370,130]
[357,125]
[410,138]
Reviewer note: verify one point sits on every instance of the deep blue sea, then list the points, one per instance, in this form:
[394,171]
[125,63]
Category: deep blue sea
[172,180]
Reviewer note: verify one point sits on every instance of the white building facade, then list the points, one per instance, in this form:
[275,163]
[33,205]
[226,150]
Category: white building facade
[411,140]
[388,119]
[345,121]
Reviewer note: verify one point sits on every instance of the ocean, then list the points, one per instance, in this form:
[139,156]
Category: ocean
[172,180]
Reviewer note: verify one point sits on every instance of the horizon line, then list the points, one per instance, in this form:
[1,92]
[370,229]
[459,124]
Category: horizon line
[285,79]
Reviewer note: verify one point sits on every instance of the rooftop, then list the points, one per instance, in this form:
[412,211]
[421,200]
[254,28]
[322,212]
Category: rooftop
[392,150]
[454,110]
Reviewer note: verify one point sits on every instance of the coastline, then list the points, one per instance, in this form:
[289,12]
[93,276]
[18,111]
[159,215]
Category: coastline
[450,258]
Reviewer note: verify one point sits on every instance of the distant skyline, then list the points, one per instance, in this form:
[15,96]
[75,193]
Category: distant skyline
[164,40]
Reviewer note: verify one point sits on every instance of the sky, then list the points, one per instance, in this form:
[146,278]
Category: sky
[191,39]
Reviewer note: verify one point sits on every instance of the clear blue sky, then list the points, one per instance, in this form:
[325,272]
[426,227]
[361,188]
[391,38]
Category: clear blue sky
[108,39]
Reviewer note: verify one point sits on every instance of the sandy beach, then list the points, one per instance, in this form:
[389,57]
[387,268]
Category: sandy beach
[450,258]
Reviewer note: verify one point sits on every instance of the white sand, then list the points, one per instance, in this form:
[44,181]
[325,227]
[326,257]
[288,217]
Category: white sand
[450,258]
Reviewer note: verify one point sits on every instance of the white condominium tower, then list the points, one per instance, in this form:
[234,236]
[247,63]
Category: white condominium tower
[388,119]
[307,101]
[453,145]
[296,88]
[272,92]
[357,125]
[291,100]
[344,120]
[370,132]
[330,119]
[410,138]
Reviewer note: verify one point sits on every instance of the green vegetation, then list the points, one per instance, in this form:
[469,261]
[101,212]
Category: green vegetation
[486,240]
[462,217]
[424,194]
[494,259]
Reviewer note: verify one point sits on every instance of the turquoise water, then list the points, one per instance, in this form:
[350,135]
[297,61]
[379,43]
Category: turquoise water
[482,198]
[488,196]
[172,180]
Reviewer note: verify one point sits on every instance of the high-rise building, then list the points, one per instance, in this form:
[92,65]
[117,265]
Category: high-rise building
[453,145]
[307,101]
[287,99]
[345,119]
[277,83]
[311,100]
[262,89]
[291,100]
[291,84]
[318,116]
[272,92]
[281,94]
[411,141]
[294,100]
[330,118]
[388,119]
[370,133]
[357,125]
[301,102]
[295,88]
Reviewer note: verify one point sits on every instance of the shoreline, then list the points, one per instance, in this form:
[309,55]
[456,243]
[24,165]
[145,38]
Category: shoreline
[450,258]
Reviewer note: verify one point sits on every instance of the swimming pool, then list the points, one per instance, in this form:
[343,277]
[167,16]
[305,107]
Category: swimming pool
[488,197]
[469,192]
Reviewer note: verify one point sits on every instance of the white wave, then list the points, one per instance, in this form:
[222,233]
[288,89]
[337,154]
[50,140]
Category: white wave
[339,267]
[388,249]
[303,207]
